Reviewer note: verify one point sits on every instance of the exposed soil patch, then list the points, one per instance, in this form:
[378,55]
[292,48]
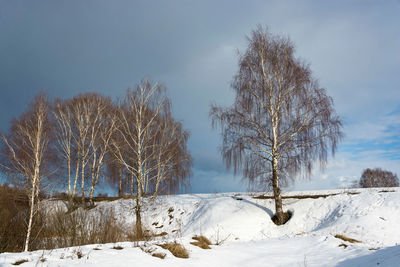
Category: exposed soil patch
[286,217]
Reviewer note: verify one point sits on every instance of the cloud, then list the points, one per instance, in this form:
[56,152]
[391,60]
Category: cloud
[72,47]
[210,181]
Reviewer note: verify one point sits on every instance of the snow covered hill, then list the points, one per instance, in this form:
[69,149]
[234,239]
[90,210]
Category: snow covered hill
[242,226]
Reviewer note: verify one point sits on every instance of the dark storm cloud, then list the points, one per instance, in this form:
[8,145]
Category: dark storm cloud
[69,47]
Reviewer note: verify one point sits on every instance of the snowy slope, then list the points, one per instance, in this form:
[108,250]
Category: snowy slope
[249,237]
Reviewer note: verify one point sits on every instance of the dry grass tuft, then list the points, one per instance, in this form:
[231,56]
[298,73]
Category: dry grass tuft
[117,247]
[176,249]
[159,255]
[307,196]
[79,254]
[162,234]
[19,262]
[386,191]
[343,245]
[348,239]
[201,242]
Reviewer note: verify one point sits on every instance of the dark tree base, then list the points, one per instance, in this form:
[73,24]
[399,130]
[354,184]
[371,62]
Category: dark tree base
[286,217]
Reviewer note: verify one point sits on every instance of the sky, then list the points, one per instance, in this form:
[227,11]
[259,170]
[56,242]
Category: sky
[353,47]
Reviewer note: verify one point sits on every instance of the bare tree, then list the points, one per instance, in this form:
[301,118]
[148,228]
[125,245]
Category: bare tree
[82,120]
[67,141]
[173,161]
[27,151]
[281,120]
[102,130]
[137,117]
[378,178]
[148,143]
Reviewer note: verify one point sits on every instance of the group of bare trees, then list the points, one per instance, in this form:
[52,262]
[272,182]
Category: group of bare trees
[80,140]
[377,178]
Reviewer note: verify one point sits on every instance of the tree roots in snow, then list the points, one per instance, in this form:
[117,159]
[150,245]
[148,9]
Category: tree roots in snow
[286,217]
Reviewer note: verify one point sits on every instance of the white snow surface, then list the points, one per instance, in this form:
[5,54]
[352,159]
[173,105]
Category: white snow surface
[247,236]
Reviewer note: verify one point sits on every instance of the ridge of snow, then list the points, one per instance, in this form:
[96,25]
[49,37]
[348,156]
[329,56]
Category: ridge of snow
[249,236]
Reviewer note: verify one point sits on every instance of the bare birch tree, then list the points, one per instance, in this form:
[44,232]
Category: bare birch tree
[82,120]
[148,143]
[137,116]
[281,121]
[67,142]
[27,151]
[102,129]
[173,161]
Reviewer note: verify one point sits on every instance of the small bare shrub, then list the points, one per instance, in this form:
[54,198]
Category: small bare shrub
[176,249]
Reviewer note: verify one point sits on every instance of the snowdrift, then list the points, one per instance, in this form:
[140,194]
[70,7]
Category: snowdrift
[241,224]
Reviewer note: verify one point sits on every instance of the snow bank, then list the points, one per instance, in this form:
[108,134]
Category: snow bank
[249,238]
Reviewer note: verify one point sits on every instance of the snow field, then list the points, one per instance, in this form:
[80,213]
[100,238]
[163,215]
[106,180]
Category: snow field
[248,237]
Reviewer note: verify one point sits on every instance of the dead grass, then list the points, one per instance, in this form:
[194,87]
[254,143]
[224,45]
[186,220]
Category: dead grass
[117,247]
[306,196]
[343,245]
[348,239]
[386,191]
[176,249]
[79,254]
[19,262]
[14,206]
[78,228]
[162,234]
[159,255]
[201,242]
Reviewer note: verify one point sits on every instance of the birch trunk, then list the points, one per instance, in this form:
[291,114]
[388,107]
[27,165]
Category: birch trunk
[31,214]
[83,182]
[139,230]
[277,193]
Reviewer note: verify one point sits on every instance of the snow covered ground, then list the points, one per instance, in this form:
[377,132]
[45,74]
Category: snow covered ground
[246,235]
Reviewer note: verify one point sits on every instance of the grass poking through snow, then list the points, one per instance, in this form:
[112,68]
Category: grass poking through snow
[201,242]
[176,249]
[348,239]
[159,255]
[19,262]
